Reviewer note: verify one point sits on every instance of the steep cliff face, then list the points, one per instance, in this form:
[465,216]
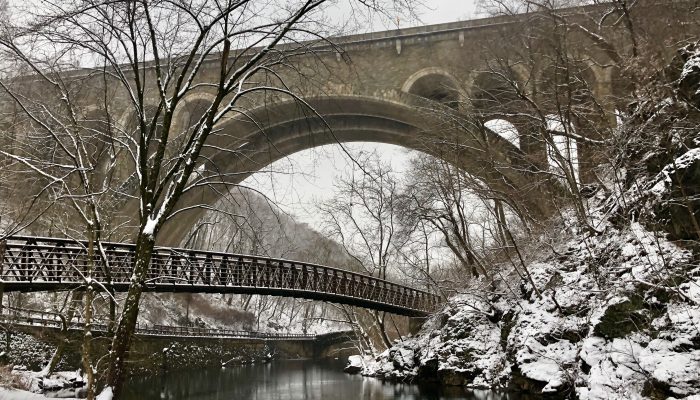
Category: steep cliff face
[657,150]
[619,316]
[619,311]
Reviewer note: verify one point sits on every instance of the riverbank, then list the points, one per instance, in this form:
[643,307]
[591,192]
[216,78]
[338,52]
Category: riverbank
[19,383]
[31,348]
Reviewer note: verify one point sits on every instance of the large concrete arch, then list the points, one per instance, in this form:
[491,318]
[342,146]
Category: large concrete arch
[190,111]
[248,144]
[439,71]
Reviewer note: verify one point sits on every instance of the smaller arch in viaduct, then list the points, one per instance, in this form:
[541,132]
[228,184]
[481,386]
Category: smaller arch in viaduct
[436,84]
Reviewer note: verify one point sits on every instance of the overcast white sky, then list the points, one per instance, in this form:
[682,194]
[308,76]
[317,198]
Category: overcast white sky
[309,175]
[429,12]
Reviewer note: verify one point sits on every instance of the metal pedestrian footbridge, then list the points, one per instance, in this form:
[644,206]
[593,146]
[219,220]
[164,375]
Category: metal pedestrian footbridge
[44,320]
[45,264]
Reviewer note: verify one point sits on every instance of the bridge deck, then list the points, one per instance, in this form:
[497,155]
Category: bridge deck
[42,321]
[37,264]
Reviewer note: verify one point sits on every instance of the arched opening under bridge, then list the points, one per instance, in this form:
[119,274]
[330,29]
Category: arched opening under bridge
[246,144]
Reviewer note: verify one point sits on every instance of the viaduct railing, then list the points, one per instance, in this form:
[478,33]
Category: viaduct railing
[39,264]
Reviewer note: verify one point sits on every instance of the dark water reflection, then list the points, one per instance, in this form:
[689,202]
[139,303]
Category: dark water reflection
[287,380]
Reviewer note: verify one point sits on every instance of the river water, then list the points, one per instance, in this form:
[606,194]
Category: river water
[287,380]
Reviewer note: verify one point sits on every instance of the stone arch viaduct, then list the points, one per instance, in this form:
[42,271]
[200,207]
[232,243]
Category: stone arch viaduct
[410,87]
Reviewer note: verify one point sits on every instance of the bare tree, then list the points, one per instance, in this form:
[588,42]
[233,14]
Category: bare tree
[472,220]
[70,177]
[363,217]
[152,55]
[563,101]
[438,194]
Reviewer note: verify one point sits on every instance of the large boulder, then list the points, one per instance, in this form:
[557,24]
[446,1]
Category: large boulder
[355,365]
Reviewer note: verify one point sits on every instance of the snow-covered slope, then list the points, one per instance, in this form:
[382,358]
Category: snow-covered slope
[619,317]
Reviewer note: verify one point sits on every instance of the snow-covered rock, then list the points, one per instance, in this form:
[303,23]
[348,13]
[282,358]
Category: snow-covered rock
[689,81]
[610,324]
[355,364]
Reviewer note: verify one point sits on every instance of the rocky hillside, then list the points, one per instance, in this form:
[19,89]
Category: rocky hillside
[260,228]
[618,316]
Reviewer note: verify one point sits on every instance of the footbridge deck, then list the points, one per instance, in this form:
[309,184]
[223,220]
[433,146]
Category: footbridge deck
[41,264]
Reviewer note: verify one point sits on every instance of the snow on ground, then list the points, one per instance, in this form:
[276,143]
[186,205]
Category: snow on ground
[619,318]
[106,394]
[63,384]
[13,394]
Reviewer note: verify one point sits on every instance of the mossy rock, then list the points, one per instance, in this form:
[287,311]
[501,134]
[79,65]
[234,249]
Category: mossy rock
[573,335]
[654,389]
[689,83]
[631,315]
[451,377]
[620,319]
[428,370]
[529,388]
[674,214]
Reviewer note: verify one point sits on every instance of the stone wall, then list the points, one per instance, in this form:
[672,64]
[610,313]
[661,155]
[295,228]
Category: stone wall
[34,346]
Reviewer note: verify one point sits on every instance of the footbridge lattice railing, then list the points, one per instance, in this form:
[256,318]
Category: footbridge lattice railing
[38,263]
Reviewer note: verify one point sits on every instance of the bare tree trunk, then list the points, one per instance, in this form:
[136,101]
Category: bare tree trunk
[3,247]
[381,325]
[87,345]
[112,311]
[127,322]
[364,338]
[501,221]
[8,338]
[87,303]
